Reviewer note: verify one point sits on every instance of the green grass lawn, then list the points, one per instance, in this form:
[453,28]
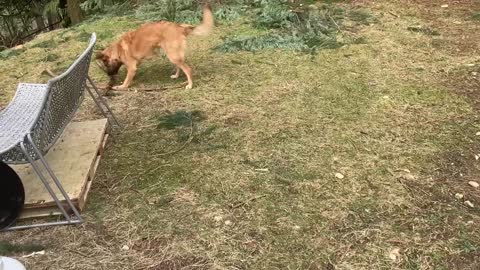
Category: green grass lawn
[346,159]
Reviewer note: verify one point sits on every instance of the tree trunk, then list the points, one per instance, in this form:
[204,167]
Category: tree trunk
[74,11]
[39,21]
[51,20]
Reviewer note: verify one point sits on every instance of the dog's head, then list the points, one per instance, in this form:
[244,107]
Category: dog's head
[108,63]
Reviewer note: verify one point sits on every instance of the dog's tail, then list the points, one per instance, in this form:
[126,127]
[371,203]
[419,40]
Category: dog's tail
[205,27]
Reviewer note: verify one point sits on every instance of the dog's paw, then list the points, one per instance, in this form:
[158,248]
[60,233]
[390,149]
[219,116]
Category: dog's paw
[174,76]
[188,87]
[119,88]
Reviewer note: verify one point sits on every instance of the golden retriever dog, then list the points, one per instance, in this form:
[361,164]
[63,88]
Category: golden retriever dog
[134,46]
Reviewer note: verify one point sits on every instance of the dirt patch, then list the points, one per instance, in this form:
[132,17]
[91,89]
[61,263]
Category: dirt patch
[470,261]
[150,245]
[465,81]
[456,8]
[460,38]
[453,19]
[456,170]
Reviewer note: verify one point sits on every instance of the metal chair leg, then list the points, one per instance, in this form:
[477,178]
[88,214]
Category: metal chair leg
[42,225]
[97,103]
[54,178]
[99,100]
[44,181]
[104,112]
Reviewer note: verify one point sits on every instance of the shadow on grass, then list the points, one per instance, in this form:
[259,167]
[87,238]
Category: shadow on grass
[7,248]
[180,118]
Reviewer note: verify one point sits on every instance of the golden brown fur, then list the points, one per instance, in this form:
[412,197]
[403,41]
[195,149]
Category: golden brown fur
[134,46]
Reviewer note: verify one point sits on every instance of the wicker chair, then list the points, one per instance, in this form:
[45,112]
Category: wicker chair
[36,117]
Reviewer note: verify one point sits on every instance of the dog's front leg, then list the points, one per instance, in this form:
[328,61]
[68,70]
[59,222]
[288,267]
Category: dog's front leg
[131,70]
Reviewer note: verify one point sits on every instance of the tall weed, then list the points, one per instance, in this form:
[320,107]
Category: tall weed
[304,29]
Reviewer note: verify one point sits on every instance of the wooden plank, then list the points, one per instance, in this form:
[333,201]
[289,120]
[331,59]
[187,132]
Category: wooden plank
[81,200]
[39,213]
[74,159]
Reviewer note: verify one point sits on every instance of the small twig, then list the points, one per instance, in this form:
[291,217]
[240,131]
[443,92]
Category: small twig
[333,20]
[247,201]
[393,14]
[352,143]
[406,187]
[79,253]
[142,89]
[264,62]
[49,72]
[157,168]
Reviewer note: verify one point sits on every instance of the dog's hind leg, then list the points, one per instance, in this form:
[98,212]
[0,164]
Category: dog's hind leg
[175,52]
[177,74]
[188,71]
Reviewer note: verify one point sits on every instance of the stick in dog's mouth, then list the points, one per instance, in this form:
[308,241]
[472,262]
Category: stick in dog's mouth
[111,82]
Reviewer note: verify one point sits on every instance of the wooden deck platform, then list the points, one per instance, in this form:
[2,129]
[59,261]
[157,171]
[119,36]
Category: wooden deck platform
[74,159]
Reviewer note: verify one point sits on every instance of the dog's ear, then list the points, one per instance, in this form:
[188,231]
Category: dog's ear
[99,55]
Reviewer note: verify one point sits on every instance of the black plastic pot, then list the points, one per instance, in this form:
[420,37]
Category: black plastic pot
[12,196]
